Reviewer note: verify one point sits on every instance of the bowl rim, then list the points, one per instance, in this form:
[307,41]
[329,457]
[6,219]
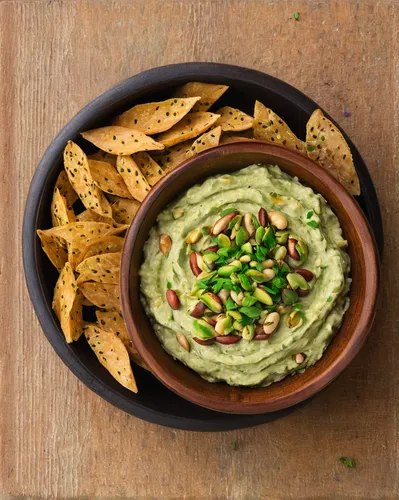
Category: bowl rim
[359,333]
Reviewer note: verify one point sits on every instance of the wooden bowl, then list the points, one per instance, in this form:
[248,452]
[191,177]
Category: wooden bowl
[357,320]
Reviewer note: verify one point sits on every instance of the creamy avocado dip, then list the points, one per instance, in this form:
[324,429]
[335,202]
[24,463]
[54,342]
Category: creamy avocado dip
[305,325]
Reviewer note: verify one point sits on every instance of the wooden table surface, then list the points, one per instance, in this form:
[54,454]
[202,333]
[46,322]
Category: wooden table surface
[58,439]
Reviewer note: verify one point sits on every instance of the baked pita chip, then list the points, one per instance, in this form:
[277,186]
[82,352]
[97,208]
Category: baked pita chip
[155,117]
[328,147]
[100,246]
[205,141]
[133,177]
[85,232]
[233,120]
[269,127]
[112,354]
[60,213]
[103,156]
[209,93]
[101,268]
[112,321]
[188,127]
[79,234]
[67,304]
[125,210]
[65,188]
[77,168]
[103,295]
[172,157]
[149,167]
[54,250]
[107,178]
[120,140]
[90,216]
[227,138]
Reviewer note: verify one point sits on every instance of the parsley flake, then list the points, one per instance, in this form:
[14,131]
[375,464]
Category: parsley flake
[313,224]
[168,285]
[296,16]
[227,211]
[349,462]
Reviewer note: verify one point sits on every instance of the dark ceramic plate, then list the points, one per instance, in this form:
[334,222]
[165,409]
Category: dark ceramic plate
[155,402]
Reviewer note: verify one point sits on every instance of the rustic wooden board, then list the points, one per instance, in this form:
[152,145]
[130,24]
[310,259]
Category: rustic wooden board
[59,440]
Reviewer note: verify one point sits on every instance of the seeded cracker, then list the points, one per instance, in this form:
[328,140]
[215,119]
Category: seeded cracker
[271,128]
[172,157]
[155,117]
[67,304]
[209,93]
[134,179]
[100,268]
[328,147]
[189,127]
[125,210]
[121,140]
[112,354]
[233,120]
[103,295]
[78,234]
[90,216]
[77,168]
[99,246]
[65,188]
[60,213]
[112,321]
[53,249]
[107,178]
[103,156]
[149,167]
[205,141]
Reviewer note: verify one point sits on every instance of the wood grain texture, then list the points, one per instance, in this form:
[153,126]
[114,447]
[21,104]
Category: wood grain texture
[59,440]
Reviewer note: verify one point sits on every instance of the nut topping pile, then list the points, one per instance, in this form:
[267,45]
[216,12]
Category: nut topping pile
[250,276]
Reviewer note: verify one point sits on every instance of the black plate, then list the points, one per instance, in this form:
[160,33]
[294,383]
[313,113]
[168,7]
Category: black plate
[155,403]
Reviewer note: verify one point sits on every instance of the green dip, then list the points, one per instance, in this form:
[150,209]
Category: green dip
[247,362]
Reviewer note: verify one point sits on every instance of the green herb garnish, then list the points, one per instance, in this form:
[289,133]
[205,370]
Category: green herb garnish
[313,224]
[296,16]
[251,312]
[310,148]
[230,304]
[205,231]
[309,215]
[329,299]
[260,253]
[168,285]
[249,301]
[349,462]
[233,445]
[227,211]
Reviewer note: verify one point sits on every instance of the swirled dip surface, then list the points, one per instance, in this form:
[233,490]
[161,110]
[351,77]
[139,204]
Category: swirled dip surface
[248,363]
